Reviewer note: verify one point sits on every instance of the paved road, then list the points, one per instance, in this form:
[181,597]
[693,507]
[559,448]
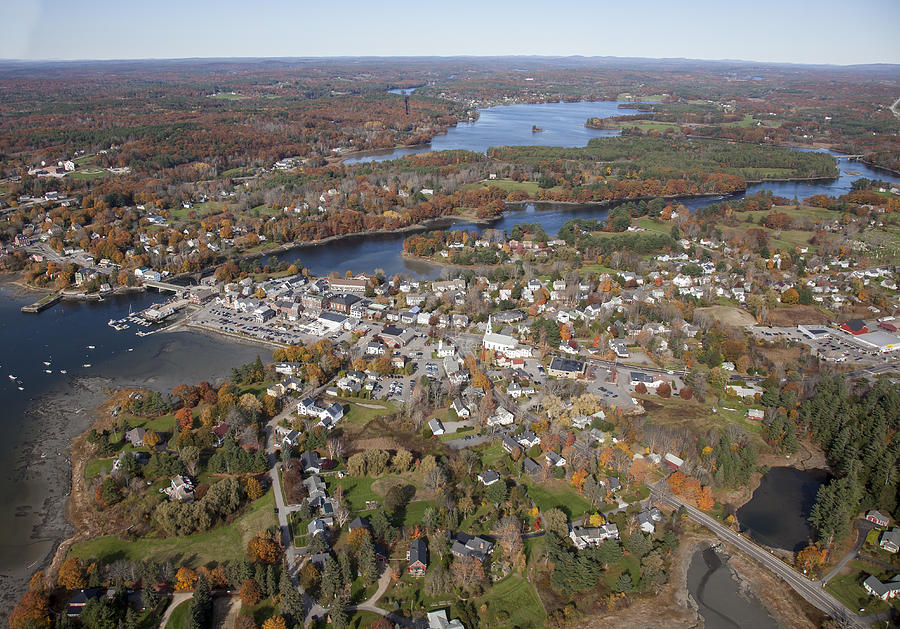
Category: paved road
[812,591]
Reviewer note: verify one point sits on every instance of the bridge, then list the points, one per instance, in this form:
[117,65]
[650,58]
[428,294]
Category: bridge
[812,591]
[161,286]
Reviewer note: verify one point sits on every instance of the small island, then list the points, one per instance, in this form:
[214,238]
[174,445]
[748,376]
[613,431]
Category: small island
[536,129]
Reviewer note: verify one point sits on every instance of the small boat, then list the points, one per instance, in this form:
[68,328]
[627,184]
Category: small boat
[63,371]
[12,377]
[91,347]
[130,349]
[21,388]
[86,365]
[48,371]
[46,363]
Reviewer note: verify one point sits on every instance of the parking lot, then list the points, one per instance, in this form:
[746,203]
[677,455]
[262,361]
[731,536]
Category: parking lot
[834,345]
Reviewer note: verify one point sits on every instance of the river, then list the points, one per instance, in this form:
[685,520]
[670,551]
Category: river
[62,334]
[719,597]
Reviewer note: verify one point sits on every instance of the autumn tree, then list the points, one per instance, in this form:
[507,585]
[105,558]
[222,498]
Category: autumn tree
[185,579]
[467,573]
[638,470]
[705,500]
[275,622]
[790,296]
[263,549]
[32,611]
[251,593]
[254,489]
[185,419]
[811,559]
[71,574]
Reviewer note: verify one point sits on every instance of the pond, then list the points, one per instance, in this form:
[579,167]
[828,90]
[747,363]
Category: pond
[776,515]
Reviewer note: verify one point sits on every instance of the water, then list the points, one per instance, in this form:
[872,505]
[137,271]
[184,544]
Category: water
[776,515]
[718,595]
[61,336]
[510,125]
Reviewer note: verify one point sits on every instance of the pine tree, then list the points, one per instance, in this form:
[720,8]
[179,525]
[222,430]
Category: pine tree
[291,605]
[331,580]
[368,566]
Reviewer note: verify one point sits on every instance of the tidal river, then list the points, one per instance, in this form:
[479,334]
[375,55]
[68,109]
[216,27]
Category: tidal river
[40,420]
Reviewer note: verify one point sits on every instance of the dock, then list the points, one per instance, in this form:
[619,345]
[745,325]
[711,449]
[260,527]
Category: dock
[42,304]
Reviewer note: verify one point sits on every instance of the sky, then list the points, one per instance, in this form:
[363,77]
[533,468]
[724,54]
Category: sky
[793,31]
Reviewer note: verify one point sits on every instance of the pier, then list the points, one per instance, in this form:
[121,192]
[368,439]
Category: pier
[42,304]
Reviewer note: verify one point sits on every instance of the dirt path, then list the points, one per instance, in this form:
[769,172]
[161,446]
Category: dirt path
[225,611]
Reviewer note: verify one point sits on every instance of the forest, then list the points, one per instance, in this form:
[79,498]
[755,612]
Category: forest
[856,424]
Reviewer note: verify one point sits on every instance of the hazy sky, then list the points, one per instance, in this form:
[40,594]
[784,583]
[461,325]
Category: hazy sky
[804,31]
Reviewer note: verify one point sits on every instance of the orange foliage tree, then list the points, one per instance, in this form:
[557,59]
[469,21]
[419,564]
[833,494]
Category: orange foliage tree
[185,419]
[263,549]
[71,574]
[251,593]
[705,500]
[185,579]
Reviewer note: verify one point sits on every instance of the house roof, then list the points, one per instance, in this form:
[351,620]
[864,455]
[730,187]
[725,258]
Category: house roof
[418,552]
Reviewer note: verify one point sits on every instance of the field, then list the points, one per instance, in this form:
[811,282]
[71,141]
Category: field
[513,602]
[729,315]
[217,545]
[792,315]
[558,494]
[693,415]
[847,587]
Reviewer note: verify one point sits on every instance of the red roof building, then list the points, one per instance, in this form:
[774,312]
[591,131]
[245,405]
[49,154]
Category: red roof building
[855,326]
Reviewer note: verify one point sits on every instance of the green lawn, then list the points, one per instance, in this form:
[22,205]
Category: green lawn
[530,187]
[415,511]
[361,620]
[513,602]
[95,467]
[847,588]
[217,545]
[179,617]
[357,490]
[89,172]
[558,494]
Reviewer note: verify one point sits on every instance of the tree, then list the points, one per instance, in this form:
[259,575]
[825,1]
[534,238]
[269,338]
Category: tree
[184,418]
[190,456]
[790,296]
[555,521]
[201,605]
[151,438]
[263,549]
[251,593]
[331,582]
[705,500]
[309,576]
[467,573]
[71,574]
[365,560]
[275,622]
[624,584]
[254,489]
[185,579]
[291,603]
[33,610]
[811,559]
[402,460]
[496,492]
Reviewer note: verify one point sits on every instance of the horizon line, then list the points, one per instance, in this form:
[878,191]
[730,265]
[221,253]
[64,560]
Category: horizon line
[449,56]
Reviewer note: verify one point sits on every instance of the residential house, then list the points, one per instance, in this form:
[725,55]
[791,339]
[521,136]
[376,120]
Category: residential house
[528,439]
[460,408]
[890,540]
[489,477]
[437,427]
[437,619]
[135,436]
[673,461]
[465,545]
[318,526]
[884,591]
[647,519]
[509,444]
[877,518]
[566,368]
[531,467]
[311,462]
[79,599]
[180,488]
[501,417]
[584,536]
[417,557]
[554,460]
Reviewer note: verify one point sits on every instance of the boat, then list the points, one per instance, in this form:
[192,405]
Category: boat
[48,371]
[12,377]
[130,349]
[86,365]
[63,371]
[91,347]
[21,388]
[46,363]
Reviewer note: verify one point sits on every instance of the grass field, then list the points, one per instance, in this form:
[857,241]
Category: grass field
[847,588]
[89,172]
[217,545]
[558,494]
[513,602]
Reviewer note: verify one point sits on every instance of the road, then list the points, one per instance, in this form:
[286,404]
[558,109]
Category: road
[812,591]
[894,109]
